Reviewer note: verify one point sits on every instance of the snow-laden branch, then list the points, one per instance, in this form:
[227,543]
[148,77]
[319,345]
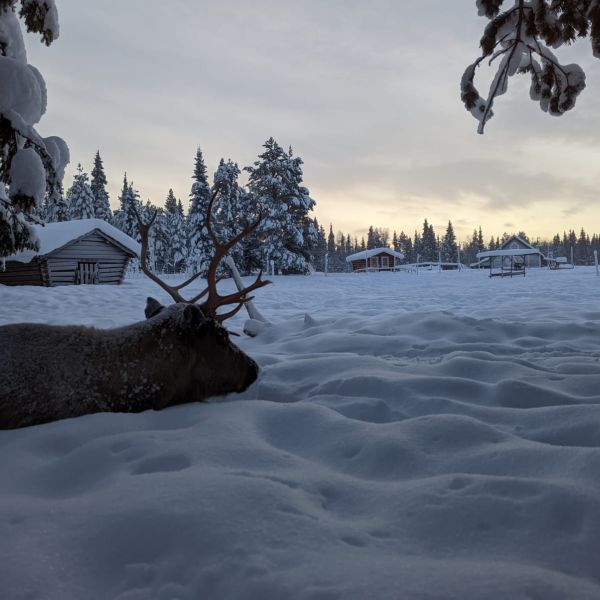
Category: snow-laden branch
[519,39]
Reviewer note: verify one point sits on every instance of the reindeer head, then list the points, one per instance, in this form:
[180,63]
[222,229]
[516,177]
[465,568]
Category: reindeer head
[212,364]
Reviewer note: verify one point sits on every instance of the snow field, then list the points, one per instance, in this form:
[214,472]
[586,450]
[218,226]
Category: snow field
[431,436]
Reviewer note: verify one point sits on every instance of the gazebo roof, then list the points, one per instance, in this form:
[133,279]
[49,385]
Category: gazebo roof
[508,252]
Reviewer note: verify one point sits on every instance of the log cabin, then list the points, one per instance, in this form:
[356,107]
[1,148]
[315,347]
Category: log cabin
[85,251]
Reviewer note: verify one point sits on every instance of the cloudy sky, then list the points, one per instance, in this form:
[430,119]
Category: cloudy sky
[366,92]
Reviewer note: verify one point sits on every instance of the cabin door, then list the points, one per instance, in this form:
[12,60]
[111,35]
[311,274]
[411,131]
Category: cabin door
[87,273]
[385,262]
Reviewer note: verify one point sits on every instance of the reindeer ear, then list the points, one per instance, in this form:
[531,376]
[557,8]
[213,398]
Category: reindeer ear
[192,315]
[153,307]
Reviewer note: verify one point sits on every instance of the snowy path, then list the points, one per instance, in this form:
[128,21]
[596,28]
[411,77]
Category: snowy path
[431,437]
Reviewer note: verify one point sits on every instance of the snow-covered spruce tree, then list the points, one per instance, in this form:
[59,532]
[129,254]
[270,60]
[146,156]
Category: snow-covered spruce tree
[156,238]
[174,236]
[56,208]
[406,247]
[318,253]
[449,245]
[98,185]
[235,209]
[518,38]
[30,165]
[371,238]
[199,245]
[124,218]
[119,215]
[428,243]
[331,249]
[285,205]
[79,197]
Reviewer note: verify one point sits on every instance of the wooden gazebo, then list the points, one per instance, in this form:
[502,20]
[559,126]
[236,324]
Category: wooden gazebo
[507,262]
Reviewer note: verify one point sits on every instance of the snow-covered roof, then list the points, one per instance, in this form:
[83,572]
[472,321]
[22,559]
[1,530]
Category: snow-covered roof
[508,252]
[373,252]
[519,239]
[56,235]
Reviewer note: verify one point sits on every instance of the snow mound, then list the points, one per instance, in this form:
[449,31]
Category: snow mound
[423,437]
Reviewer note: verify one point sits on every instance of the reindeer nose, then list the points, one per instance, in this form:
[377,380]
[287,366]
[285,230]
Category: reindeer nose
[251,374]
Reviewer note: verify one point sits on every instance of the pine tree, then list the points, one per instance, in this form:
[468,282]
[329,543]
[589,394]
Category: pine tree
[480,242]
[174,250]
[125,218]
[200,246]
[320,250]
[449,246]
[408,250]
[56,208]
[331,242]
[371,242]
[79,197]
[30,166]
[417,247]
[520,38]
[428,243]
[234,211]
[275,180]
[156,236]
[582,248]
[98,185]
[401,245]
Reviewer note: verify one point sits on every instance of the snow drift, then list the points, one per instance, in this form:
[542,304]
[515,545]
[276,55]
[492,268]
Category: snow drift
[425,437]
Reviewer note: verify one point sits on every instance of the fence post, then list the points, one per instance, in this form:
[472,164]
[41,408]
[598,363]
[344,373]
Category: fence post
[596,263]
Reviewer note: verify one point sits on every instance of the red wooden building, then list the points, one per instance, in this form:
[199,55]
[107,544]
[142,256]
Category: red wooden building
[376,259]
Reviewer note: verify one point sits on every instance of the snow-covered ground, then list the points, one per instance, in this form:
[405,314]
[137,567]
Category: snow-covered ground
[417,437]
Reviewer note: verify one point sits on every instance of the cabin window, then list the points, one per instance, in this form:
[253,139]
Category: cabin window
[374,262]
[87,273]
[385,262]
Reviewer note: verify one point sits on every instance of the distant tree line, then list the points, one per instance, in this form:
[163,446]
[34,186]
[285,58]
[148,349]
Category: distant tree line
[427,246]
[286,238]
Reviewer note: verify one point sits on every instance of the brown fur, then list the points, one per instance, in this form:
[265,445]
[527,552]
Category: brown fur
[52,372]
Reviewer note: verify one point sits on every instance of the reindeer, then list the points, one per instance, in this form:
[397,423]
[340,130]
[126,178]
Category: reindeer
[179,354]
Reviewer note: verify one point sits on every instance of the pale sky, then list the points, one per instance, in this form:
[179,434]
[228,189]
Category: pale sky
[367,93]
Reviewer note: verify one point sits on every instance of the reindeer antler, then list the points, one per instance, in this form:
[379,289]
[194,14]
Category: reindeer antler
[215,300]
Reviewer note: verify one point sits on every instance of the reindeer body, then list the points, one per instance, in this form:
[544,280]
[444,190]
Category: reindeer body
[176,356]
[179,354]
